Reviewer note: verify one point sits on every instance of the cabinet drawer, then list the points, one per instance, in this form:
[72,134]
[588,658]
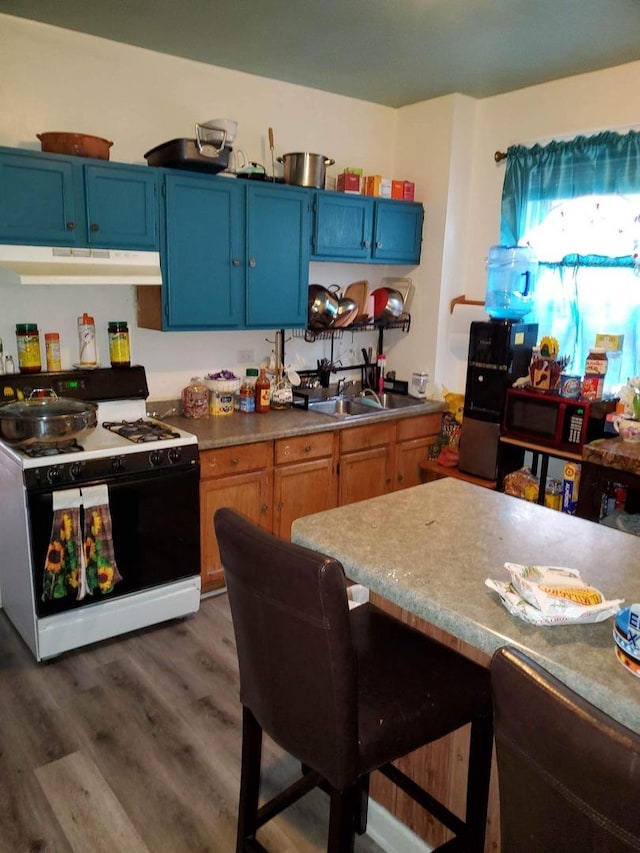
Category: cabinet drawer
[361,438]
[421,427]
[232,460]
[304,447]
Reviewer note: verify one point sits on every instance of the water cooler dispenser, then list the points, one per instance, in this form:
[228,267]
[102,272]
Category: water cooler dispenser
[499,353]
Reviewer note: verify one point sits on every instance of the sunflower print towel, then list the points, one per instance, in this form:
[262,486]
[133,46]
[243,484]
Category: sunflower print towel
[101,571]
[64,563]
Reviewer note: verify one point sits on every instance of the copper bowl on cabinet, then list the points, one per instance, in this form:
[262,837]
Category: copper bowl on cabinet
[76,144]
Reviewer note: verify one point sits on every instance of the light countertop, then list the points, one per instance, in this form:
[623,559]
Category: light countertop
[430,548]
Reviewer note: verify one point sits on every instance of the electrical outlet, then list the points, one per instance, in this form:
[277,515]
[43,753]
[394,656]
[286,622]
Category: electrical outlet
[246,356]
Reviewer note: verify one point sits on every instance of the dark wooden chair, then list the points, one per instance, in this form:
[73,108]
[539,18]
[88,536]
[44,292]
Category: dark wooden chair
[569,775]
[344,692]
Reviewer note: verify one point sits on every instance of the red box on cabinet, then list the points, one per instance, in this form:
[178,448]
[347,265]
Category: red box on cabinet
[408,190]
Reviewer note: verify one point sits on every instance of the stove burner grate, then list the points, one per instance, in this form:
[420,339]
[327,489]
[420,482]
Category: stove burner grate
[141,430]
[38,449]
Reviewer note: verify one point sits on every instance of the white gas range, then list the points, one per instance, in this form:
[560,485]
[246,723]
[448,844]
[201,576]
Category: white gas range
[137,479]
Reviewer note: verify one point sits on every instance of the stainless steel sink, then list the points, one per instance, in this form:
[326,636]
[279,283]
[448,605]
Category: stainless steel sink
[350,407]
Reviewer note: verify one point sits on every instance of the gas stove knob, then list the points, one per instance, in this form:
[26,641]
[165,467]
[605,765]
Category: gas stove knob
[155,458]
[117,464]
[174,454]
[54,475]
[75,470]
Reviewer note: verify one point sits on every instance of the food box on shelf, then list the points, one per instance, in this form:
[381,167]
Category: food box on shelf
[348,182]
[408,190]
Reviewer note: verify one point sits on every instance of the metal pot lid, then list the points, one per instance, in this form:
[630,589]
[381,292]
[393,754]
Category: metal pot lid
[45,407]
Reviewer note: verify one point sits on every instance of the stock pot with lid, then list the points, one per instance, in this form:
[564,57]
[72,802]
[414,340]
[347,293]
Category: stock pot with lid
[46,419]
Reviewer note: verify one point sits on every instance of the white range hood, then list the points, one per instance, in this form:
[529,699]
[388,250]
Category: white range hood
[63,265]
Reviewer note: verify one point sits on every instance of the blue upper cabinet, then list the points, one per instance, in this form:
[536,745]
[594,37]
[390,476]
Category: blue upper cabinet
[121,206]
[37,199]
[366,229]
[234,255]
[397,231]
[48,199]
[202,253]
[278,232]
[343,227]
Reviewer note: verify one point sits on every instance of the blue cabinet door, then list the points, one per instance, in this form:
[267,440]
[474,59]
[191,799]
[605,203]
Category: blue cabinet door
[37,201]
[343,227]
[203,253]
[397,231]
[278,232]
[121,206]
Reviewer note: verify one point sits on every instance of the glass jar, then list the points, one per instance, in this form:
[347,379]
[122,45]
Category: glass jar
[52,351]
[195,399]
[28,341]
[247,395]
[119,351]
[282,394]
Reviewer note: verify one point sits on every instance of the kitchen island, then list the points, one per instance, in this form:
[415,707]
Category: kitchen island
[429,549]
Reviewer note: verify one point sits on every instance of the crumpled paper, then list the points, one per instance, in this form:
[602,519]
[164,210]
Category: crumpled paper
[552,595]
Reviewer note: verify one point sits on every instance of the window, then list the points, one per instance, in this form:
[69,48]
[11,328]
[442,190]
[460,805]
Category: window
[577,204]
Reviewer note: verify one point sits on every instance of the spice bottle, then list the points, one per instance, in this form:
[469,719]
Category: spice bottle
[87,341]
[52,351]
[119,350]
[247,394]
[9,366]
[28,341]
[263,392]
[1,359]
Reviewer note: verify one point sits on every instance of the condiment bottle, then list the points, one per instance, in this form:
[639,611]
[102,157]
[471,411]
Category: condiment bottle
[52,351]
[9,366]
[263,392]
[28,340]
[119,350]
[247,394]
[87,341]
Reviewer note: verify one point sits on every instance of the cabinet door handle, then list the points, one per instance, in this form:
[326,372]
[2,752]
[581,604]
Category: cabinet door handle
[71,226]
[307,448]
[400,478]
[366,244]
[378,245]
[264,508]
[252,262]
[388,481]
[95,227]
[235,460]
[236,262]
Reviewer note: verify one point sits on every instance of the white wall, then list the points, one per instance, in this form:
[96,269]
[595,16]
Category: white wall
[55,79]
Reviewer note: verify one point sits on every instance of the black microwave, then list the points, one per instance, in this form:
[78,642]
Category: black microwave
[546,419]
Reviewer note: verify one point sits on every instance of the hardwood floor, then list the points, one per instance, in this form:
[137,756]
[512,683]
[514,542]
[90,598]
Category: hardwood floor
[133,746]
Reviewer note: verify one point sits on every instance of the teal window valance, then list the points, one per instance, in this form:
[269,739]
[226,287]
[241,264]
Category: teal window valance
[607,163]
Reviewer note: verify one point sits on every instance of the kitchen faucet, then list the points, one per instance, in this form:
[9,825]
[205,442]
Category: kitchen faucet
[343,384]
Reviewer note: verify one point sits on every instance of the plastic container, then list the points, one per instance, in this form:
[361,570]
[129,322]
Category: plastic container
[510,282]
[119,349]
[87,341]
[52,351]
[222,396]
[28,341]
[247,393]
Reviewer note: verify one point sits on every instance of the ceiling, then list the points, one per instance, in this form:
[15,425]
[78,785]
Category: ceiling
[391,52]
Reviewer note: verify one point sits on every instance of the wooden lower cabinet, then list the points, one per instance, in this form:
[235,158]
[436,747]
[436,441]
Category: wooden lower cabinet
[238,477]
[367,456]
[275,482]
[413,439]
[305,479]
